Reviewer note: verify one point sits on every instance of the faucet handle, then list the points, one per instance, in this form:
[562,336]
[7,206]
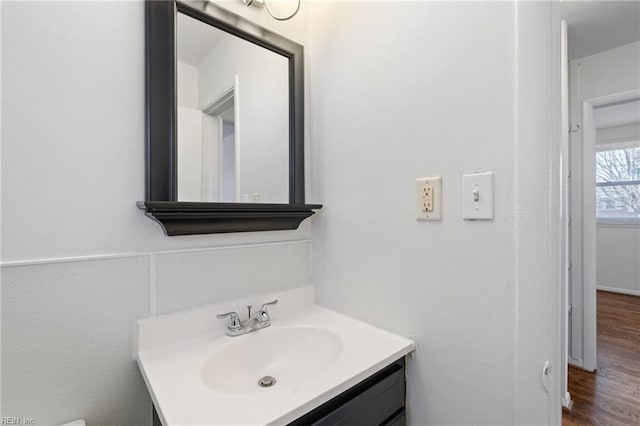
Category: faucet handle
[263,315]
[264,305]
[234,320]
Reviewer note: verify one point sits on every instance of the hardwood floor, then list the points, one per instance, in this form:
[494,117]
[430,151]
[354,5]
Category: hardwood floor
[611,396]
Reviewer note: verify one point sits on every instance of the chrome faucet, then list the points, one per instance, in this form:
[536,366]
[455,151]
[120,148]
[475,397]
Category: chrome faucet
[237,327]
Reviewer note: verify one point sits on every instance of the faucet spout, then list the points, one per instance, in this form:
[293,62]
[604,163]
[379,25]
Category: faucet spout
[255,322]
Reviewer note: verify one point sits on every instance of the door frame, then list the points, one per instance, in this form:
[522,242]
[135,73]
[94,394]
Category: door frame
[589,320]
[565,214]
[215,108]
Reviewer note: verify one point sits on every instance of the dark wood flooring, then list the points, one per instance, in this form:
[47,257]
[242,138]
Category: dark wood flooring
[610,396]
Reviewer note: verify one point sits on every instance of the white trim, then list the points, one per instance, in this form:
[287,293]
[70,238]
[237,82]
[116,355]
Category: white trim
[589,222]
[605,143]
[628,143]
[564,191]
[209,160]
[30,262]
[537,212]
[557,148]
[575,201]
[152,285]
[219,166]
[218,103]
[617,223]
[576,362]
[619,290]
[614,98]
[1,115]
[589,236]
[44,261]
[237,133]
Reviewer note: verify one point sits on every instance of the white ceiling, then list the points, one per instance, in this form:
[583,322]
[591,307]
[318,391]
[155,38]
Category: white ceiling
[596,26]
[195,39]
[618,114]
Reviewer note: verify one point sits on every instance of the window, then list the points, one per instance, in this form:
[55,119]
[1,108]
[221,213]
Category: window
[618,183]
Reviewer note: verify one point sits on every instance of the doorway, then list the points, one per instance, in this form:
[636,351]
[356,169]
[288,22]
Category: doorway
[601,161]
[611,188]
[220,152]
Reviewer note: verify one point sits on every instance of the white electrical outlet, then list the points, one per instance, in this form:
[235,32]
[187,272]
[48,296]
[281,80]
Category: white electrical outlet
[429,198]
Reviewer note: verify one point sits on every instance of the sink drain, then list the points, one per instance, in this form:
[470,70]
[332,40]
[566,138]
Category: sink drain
[266,382]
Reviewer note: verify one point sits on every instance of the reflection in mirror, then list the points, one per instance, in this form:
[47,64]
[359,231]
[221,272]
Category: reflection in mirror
[232,117]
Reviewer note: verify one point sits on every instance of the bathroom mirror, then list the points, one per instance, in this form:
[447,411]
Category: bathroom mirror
[232,117]
[225,122]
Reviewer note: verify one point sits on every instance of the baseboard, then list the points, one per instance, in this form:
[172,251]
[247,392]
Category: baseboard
[576,362]
[618,290]
[581,368]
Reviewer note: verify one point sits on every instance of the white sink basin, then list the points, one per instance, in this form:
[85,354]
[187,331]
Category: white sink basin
[290,355]
[197,375]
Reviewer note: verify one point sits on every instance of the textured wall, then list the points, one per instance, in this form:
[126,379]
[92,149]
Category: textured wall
[80,262]
[402,90]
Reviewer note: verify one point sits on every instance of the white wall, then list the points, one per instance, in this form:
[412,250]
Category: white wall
[80,262]
[612,71]
[190,162]
[617,259]
[448,73]
[73,136]
[617,134]
[228,188]
[189,130]
[187,86]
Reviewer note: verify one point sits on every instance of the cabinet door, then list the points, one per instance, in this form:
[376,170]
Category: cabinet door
[377,400]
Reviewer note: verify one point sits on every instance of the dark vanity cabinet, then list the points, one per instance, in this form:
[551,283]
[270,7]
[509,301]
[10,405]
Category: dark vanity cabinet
[377,400]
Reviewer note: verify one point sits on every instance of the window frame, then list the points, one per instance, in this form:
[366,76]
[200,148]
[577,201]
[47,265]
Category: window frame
[616,146]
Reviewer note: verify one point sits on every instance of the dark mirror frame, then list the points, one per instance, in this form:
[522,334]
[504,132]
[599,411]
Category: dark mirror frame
[188,218]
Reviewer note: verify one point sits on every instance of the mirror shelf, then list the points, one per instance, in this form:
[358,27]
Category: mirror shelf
[162,201]
[191,218]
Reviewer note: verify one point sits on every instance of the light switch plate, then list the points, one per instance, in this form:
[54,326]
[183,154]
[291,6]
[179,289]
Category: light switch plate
[429,198]
[477,196]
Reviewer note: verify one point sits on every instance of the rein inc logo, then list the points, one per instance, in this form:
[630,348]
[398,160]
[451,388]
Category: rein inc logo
[17,421]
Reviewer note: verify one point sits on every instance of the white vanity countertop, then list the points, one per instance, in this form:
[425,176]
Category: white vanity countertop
[172,350]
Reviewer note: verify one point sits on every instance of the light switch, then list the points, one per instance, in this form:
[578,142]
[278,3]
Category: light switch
[429,198]
[477,196]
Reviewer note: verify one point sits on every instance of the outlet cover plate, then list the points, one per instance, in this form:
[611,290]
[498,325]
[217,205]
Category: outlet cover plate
[433,195]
